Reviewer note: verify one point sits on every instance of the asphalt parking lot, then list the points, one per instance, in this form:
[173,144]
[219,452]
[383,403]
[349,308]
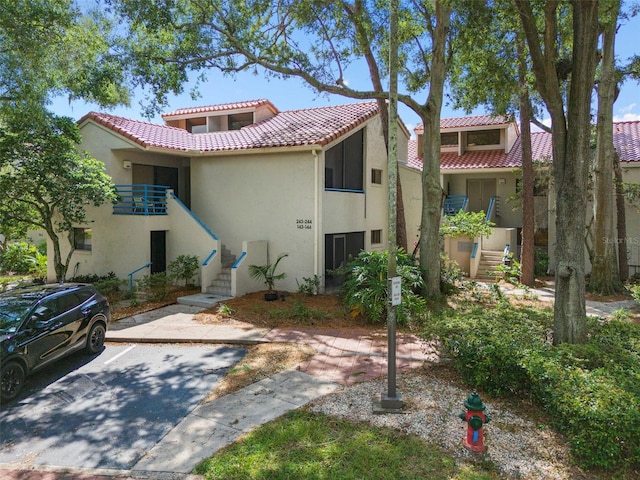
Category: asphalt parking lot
[107,411]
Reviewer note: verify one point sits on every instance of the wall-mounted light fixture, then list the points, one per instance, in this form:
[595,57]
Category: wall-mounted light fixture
[126,164]
[502,181]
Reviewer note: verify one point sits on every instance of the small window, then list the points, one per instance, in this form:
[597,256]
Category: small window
[483,137]
[376,236]
[197,125]
[82,239]
[376,176]
[449,139]
[239,120]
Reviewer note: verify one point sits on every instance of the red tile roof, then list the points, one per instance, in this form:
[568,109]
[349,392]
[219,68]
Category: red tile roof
[626,139]
[466,122]
[315,126]
[220,108]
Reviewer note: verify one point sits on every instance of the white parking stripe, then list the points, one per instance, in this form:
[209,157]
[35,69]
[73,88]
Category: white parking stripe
[125,351]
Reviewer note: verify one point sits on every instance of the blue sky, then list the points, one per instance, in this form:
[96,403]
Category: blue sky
[294,94]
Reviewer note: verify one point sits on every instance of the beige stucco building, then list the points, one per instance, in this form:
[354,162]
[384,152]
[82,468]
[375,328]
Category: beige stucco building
[480,163]
[237,185]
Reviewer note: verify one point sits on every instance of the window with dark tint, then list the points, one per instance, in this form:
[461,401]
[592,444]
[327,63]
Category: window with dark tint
[68,301]
[376,236]
[376,176]
[239,120]
[82,239]
[344,164]
[449,139]
[483,137]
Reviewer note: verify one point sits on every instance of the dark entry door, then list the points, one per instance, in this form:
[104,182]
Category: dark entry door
[480,191]
[167,176]
[158,251]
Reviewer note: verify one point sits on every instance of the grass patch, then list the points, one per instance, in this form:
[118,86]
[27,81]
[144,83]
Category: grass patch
[305,445]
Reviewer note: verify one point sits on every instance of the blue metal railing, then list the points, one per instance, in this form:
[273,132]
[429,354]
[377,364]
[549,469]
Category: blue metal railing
[474,252]
[492,204]
[134,272]
[505,253]
[239,260]
[141,200]
[454,203]
[208,259]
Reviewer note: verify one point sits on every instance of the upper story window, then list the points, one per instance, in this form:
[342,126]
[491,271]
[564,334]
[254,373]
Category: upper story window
[449,139]
[344,164]
[483,137]
[197,125]
[239,120]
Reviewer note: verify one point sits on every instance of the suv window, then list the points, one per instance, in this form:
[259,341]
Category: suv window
[68,301]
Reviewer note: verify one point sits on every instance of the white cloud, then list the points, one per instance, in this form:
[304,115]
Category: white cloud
[627,117]
[629,108]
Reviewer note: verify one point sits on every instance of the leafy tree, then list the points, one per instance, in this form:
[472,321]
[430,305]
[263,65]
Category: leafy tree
[45,181]
[570,117]
[49,47]
[466,224]
[318,42]
[491,69]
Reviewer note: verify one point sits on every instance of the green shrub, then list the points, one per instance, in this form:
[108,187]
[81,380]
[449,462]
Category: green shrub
[109,287]
[156,286]
[590,391]
[309,285]
[20,258]
[450,275]
[487,345]
[184,267]
[365,287]
[510,271]
[540,262]
[635,292]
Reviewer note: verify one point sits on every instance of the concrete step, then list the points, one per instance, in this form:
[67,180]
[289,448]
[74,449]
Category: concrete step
[219,290]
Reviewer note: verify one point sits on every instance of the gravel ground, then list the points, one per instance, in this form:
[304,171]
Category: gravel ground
[518,447]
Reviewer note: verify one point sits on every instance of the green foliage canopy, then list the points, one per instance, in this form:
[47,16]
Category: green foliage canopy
[46,182]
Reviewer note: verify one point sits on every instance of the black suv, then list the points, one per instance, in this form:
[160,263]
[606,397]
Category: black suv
[41,324]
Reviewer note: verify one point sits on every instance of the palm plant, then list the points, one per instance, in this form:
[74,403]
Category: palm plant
[267,273]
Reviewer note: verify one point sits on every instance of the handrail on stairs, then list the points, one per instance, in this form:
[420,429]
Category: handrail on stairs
[492,203]
[505,253]
[209,257]
[134,272]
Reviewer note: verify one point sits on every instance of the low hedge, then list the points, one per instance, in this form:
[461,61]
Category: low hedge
[591,391]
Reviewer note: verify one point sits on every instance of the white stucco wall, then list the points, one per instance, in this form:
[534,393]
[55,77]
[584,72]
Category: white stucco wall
[411,180]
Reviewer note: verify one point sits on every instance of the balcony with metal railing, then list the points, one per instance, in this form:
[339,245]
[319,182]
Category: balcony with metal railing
[141,199]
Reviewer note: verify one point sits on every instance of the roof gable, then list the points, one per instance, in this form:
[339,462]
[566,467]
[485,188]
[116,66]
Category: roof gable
[223,107]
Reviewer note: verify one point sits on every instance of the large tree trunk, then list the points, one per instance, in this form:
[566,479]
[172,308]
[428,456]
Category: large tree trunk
[431,188]
[621,215]
[571,170]
[527,257]
[604,270]
[570,150]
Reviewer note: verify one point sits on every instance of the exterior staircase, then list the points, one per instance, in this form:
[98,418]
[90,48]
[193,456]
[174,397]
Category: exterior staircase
[221,286]
[489,260]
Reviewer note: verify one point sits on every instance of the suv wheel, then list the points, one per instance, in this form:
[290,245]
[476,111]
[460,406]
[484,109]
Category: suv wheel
[11,381]
[95,339]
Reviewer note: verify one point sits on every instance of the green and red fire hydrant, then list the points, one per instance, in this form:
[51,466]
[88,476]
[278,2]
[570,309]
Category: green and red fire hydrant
[475,418]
